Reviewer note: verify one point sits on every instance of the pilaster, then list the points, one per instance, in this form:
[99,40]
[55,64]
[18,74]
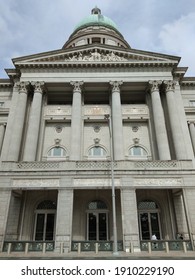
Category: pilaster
[129,220]
[4,210]
[64,220]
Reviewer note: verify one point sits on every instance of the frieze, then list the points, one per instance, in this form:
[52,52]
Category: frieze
[36,183]
[158,182]
[95,182]
[96,56]
[57,110]
[96,110]
[135,110]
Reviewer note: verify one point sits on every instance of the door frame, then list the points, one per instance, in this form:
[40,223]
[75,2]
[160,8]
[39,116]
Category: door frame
[97,212]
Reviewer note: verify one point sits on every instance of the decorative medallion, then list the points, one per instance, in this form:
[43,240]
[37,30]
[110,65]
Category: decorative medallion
[97,128]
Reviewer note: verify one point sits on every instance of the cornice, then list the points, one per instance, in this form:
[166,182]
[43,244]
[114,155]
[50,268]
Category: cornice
[5,83]
[97,56]
[60,65]
[188,82]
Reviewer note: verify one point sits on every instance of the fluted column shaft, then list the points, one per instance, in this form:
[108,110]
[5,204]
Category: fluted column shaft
[76,122]
[177,134]
[10,123]
[18,123]
[34,123]
[159,121]
[192,133]
[117,123]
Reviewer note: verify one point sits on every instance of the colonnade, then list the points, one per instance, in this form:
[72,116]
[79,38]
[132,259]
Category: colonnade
[176,123]
[11,146]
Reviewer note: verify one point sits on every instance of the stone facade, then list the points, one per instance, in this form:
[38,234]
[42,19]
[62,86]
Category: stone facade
[92,117]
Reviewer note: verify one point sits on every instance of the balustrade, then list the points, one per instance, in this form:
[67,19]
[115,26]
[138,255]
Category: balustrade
[96,165]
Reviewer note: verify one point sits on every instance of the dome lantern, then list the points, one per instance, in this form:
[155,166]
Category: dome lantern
[96,11]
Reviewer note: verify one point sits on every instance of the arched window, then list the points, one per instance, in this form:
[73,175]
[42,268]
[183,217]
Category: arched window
[45,220]
[149,219]
[137,152]
[97,152]
[56,153]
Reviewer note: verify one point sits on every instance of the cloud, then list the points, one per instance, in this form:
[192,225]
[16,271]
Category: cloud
[178,37]
[34,26]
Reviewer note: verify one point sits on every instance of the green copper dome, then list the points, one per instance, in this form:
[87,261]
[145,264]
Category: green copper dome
[96,19]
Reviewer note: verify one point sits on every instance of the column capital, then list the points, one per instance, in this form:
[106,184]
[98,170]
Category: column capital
[16,85]
[76,85]
[154,85]
[23,86]
[38,86]
[116,85]
[191,122]
[169,85]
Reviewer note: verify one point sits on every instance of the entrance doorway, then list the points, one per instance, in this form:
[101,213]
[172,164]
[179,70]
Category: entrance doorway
[45,221]
[97,221]
[149,220]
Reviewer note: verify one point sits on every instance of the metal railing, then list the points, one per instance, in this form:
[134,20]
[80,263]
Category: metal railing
[166,245]
[28,246]
[95,246]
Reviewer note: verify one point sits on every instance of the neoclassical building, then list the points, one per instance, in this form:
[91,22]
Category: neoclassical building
[89,129]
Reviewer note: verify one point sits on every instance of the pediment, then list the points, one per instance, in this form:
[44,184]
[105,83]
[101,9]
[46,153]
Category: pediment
[97,55]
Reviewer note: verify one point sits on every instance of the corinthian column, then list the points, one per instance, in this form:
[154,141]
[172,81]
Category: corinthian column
[10,123]
[117,123]
[18,124]
[34,123]
[159,121]
[176,129]
[76,121]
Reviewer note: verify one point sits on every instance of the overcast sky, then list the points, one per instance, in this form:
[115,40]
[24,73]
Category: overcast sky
[34,26]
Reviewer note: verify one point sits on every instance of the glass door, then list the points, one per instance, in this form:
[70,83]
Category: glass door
[44,227]
[149,225]
[97,226]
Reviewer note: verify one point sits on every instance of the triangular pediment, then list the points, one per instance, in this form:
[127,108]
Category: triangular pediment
[96,54]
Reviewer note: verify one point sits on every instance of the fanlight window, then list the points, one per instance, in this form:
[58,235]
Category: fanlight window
[137,151]
[147,205]
[57,152]
[46,204]
[97,204]
[97,151]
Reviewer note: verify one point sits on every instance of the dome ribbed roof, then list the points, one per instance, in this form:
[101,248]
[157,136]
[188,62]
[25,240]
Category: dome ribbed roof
[96,19]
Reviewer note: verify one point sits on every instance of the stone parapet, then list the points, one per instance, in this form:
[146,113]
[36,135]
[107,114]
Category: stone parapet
[96,165]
